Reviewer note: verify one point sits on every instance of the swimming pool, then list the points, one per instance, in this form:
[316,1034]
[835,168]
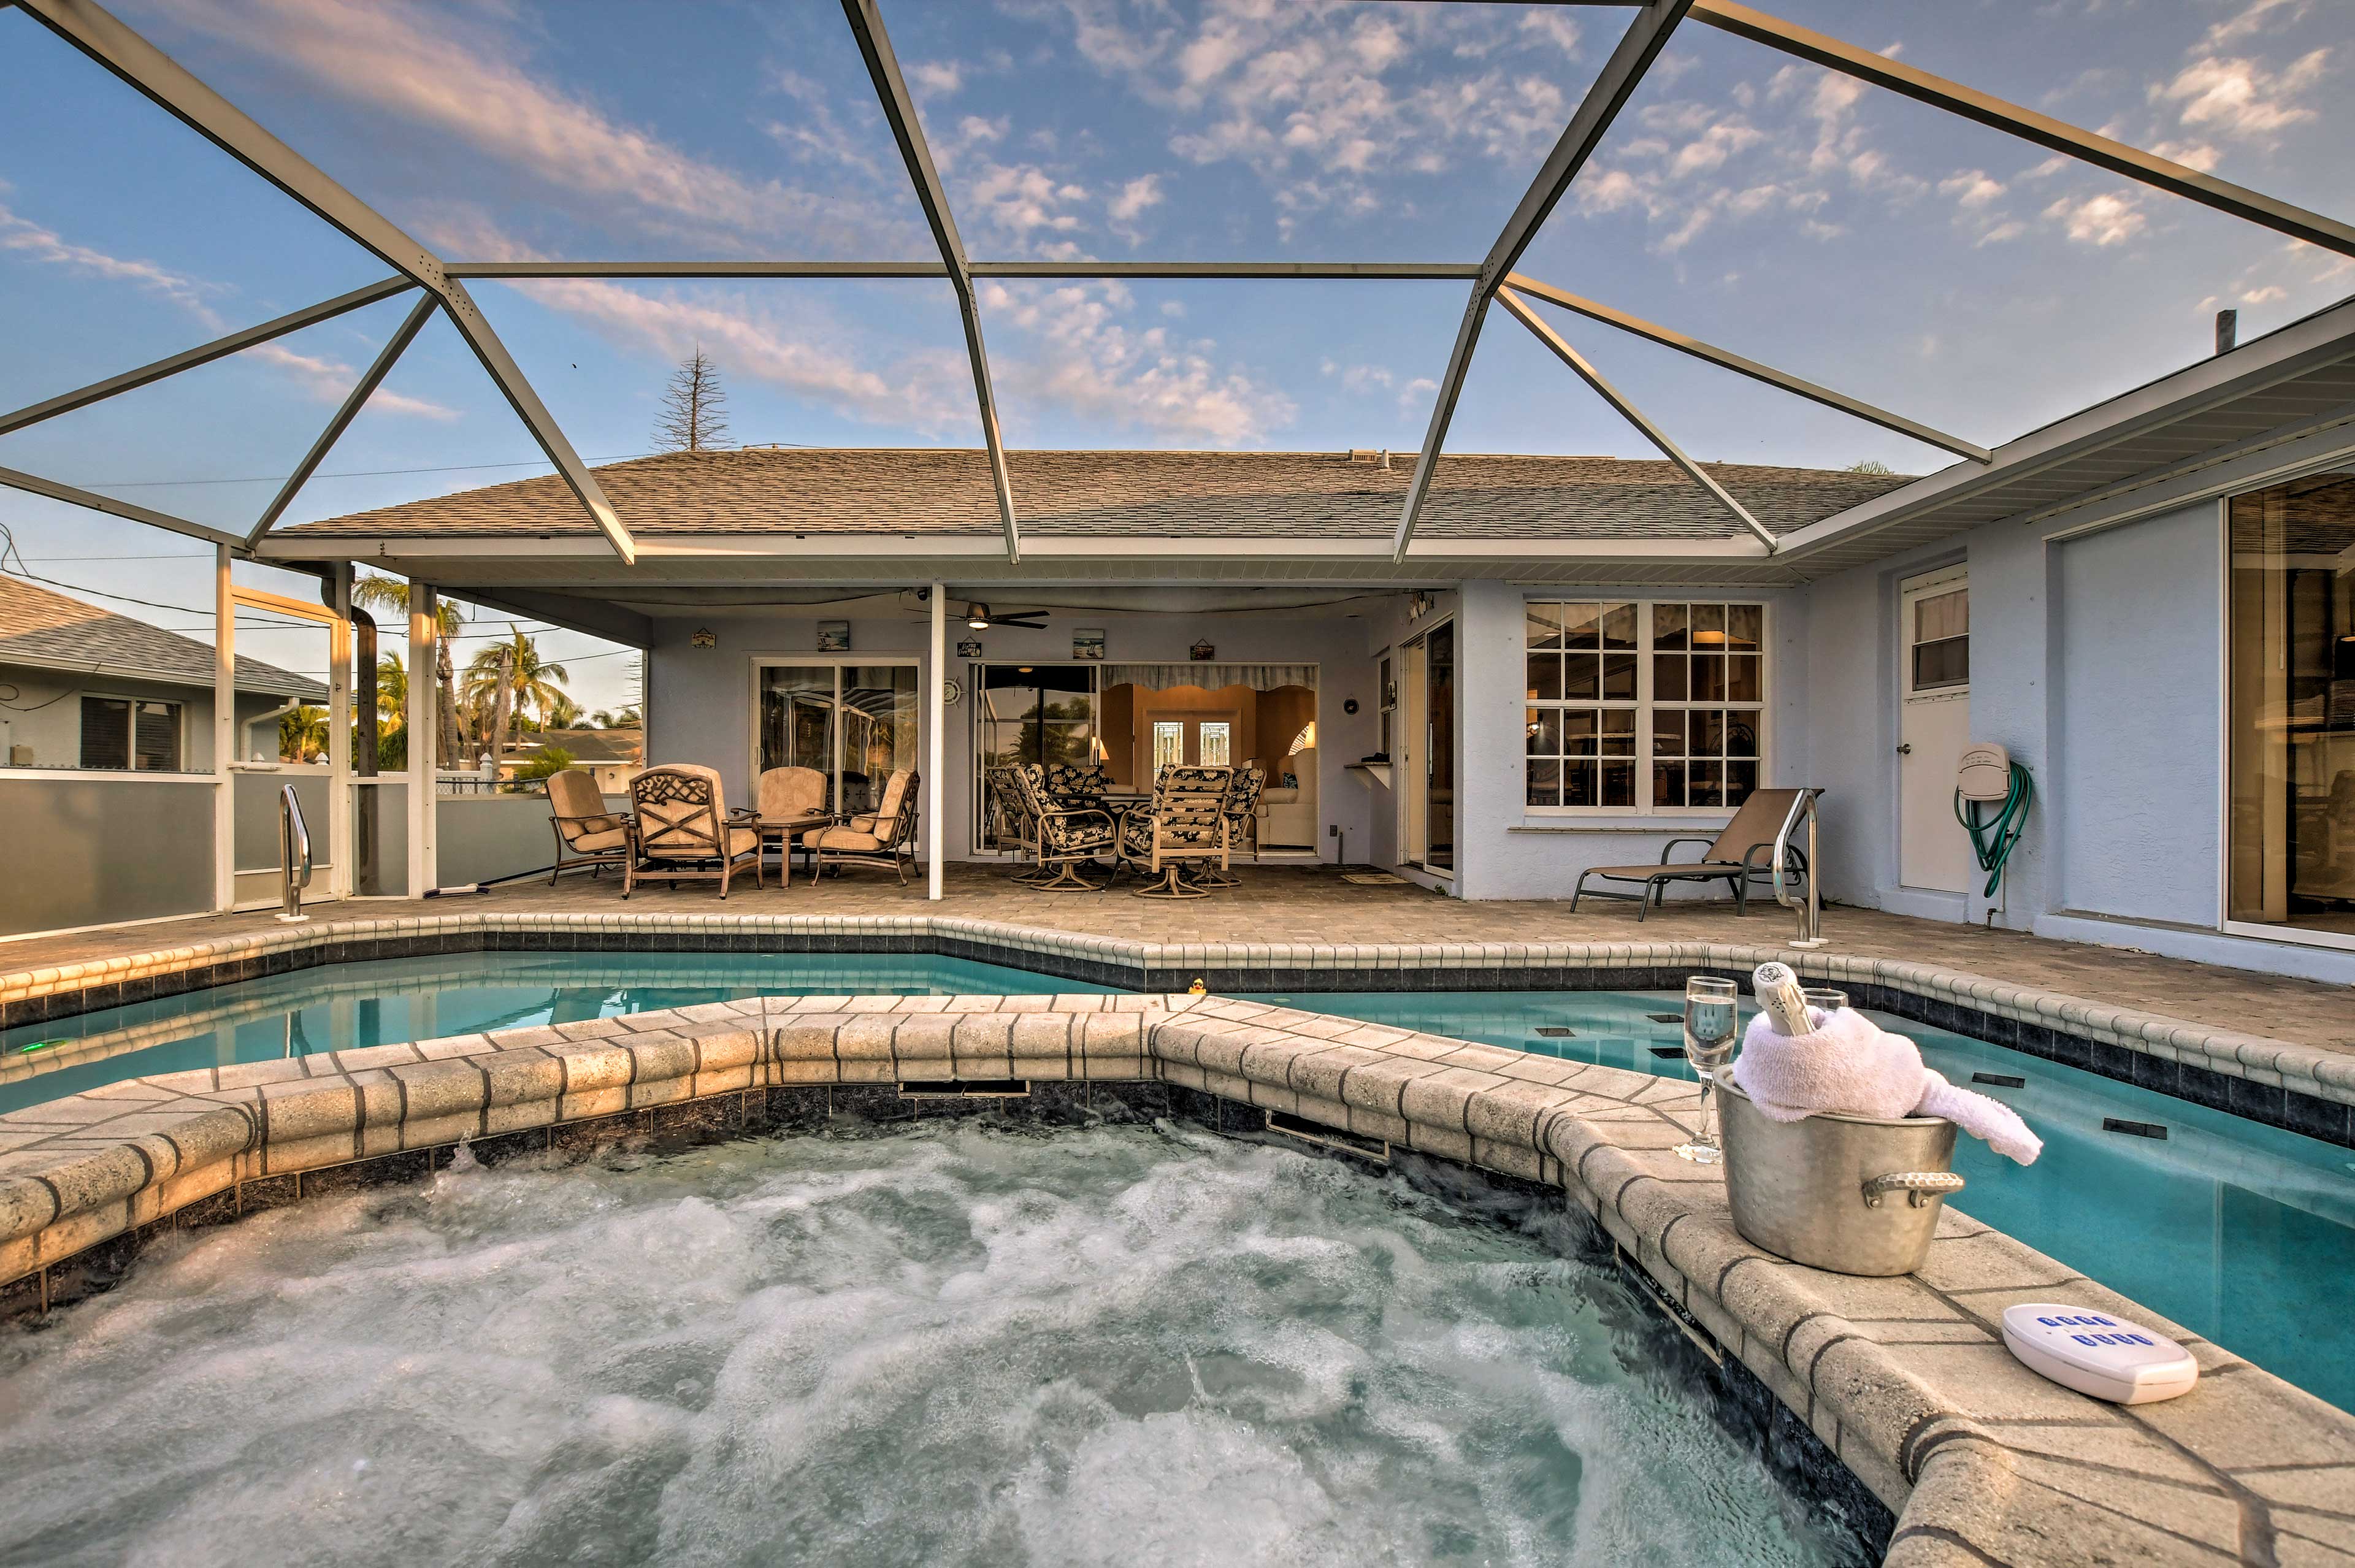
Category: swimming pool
[2238,1231]
[394,1000]
[955,1345]
[2242,1232]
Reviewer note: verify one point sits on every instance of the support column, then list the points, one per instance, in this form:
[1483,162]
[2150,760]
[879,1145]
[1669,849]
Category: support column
[424,726]
[936,730]
[341,852]
[224,734]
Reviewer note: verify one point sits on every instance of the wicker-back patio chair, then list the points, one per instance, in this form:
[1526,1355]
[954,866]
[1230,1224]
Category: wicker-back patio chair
[586,833]
[884,837]
[1068,836]
[1182,826]
[1239,807]
[683,831]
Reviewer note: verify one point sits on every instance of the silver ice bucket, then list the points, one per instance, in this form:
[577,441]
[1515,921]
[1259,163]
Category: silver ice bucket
[1851,1194]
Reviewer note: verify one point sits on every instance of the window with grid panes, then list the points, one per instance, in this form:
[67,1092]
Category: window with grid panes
[1640,706]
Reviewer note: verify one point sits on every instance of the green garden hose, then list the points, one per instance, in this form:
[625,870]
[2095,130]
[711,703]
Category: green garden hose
[1993,841]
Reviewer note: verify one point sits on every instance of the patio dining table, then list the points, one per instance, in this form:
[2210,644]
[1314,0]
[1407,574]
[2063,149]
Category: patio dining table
[787,831]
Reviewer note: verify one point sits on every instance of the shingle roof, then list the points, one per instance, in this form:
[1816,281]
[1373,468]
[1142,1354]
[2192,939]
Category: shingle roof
[588,746]
[1314,494]
[39,627]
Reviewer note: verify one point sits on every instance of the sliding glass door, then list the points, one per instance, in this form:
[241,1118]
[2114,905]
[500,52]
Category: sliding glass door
[1026,713]
[2291,703]
[854,723]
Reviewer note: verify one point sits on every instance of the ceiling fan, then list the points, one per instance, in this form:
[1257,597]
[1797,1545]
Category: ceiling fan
[978,618]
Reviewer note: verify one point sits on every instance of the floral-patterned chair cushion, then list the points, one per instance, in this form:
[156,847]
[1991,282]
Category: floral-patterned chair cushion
[1075,783]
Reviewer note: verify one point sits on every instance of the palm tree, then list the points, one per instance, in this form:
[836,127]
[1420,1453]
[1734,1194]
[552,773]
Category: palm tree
[303,734]
[562,713]
[511,676]
[390,593]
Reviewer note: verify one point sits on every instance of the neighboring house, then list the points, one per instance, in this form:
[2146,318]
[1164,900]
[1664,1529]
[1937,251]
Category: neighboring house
[613,755]
[85,688]
[1571,662]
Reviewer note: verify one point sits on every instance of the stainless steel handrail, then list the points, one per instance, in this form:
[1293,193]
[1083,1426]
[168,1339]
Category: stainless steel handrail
[1811,908]
[294,854]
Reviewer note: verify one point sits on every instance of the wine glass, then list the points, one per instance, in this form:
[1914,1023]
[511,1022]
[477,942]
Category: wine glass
[1711,1014]
[1824,998]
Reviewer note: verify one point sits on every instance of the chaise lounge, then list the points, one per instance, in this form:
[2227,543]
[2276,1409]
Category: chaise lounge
[1734,857]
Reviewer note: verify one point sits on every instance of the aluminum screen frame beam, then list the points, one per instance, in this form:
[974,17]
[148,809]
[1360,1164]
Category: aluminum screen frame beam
[1646,36]
[866,21]
[356,400]
[203,354]
[172,87]
[1412,272]
[33,484]
[1526,314]
[2055,136]
[1725,358]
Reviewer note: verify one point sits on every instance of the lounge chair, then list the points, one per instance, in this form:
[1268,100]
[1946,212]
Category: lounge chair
[1735,856]
[1068,836]
[1016,822]
[884,837]
[1181,827]
[586,833]
[683,830]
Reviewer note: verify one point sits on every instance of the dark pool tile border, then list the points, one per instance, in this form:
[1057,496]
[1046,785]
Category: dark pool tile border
[2270,1104]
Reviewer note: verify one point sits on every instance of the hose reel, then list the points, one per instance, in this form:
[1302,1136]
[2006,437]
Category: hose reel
[1988,777]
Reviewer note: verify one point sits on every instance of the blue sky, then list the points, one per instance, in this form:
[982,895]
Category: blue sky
[1946,270]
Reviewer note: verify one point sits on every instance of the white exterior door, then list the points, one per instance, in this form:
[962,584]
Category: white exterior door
[1933,685]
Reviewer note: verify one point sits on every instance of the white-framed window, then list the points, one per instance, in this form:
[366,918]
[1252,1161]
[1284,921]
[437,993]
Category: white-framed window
[1168,744]
[1642,706]
[131,734]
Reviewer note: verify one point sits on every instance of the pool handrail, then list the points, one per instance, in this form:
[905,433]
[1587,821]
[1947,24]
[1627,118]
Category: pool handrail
[1811,908]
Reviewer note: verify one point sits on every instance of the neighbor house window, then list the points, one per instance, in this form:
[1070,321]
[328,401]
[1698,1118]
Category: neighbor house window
[1641,706]
[118,733]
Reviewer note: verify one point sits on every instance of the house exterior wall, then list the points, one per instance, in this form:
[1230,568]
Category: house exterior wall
[699,702]
[45,713]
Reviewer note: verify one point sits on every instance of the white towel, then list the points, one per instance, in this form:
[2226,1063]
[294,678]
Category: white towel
[1848,1064]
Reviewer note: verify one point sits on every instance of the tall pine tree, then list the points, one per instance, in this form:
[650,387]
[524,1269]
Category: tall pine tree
[694,415]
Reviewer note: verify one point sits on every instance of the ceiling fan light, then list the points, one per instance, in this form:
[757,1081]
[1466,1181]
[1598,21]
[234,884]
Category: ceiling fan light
[978,617]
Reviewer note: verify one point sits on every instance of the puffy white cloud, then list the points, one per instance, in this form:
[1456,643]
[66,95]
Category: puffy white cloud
[1133,198]
[1971,189]
[1077,352]
[2108,218]
[938,78]
[2239,97]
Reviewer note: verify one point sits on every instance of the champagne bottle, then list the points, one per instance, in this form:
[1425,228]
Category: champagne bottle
[1778,993]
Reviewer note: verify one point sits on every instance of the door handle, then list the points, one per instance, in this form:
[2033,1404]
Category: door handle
[1906,749]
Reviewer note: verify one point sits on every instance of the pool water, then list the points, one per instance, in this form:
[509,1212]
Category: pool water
[955,1345]
[395,1000]
[2243,1233]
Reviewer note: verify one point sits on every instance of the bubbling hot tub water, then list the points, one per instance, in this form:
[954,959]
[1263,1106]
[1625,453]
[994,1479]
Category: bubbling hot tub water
[956,1345]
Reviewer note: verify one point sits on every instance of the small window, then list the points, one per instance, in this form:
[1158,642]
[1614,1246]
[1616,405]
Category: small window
[1168,744]
[118,733]
[1215,743]
[1942,640]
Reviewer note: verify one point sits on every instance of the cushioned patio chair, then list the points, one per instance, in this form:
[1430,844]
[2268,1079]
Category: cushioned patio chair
[1736,856]
[586,833]
[1070,836]
[1077,787]
[683,831]
[792,801]
[1240,809]
[1015,822]
[884,837]
[1181,828]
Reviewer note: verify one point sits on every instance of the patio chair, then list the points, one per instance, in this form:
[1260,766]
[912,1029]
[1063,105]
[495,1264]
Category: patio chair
[1240,809]
[884,837]
[1183,825]
[683,831]
[1077,785]
[1734,857]
[792,802]
[1069,836]
[1016,822]
[586,833]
